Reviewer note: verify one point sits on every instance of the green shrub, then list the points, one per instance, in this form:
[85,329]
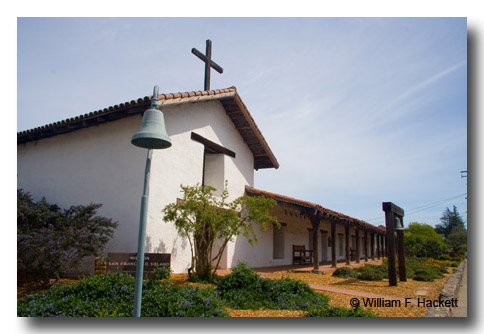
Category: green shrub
[51,241]
[425,274]
[370,273]
[112,295]
[339,312]
[345,272]
[445,257]
[162,273]
[244,289]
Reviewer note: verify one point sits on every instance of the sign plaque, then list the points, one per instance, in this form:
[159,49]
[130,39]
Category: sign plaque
[126,262]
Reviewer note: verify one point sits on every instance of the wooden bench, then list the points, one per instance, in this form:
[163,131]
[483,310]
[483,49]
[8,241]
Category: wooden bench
[301,255]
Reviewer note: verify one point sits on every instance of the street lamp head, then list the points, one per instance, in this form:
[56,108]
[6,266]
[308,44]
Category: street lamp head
[152,132]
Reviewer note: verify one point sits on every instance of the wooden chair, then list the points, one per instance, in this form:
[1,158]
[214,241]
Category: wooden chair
[301,255]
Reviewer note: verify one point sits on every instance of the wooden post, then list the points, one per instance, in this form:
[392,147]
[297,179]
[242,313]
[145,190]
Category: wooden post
[366,245]
[390,239]
[384,245]
[372,245]
[378,246]
[333,244]
[357,237]
[402,269]
[315,221]
[391,212]
[347,241]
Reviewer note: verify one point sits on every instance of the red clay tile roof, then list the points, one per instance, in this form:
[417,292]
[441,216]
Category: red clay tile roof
[228,97]
[318,208]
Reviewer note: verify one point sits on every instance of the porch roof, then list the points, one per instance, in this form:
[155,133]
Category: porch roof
[330,214]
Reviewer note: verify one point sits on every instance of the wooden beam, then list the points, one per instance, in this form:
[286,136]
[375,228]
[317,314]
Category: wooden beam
[211,146]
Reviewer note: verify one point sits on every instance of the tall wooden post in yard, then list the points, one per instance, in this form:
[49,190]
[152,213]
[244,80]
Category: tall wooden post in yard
[402,270]
[393,216]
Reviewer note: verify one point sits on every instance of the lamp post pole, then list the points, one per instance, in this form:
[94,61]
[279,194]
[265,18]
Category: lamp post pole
[140,260]
[151,135]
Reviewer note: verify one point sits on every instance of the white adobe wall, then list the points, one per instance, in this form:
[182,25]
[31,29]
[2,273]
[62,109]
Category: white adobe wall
[182,164]
[99,164]
[296,232]
[96,164]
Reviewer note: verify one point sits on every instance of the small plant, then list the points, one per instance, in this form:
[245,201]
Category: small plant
[370,273]
[162,273]
[345,272]
[445,257]
[424,274]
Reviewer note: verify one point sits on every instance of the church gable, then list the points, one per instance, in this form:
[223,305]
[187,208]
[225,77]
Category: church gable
[229,98]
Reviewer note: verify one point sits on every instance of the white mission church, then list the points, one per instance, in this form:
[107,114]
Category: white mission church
[214,138]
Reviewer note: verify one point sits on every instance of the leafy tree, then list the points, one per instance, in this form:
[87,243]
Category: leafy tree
[205,219]
[457,242]
[452,222]
[421,240]
[51,241]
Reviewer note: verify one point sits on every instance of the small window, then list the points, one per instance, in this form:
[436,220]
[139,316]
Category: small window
[278,242]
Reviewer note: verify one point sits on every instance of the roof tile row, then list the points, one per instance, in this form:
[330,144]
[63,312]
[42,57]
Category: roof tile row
[306,204]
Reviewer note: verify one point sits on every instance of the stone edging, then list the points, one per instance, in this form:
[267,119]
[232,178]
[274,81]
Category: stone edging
[449,291]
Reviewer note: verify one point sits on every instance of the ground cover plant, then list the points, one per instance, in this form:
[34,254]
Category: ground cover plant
[245,289]
[112,295]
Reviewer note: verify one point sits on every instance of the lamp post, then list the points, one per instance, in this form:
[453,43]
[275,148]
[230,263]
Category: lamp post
[151,135]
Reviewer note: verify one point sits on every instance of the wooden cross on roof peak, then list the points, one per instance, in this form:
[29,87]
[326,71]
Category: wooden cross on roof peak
[207,59]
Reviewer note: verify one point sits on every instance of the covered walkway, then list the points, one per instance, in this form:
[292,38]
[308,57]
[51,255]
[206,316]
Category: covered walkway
[332,235]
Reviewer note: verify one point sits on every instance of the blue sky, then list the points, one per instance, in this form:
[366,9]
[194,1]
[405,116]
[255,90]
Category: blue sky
[358,111]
